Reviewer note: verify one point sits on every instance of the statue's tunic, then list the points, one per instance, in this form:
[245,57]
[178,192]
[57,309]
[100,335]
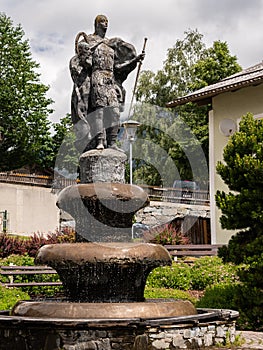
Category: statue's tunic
[103,92]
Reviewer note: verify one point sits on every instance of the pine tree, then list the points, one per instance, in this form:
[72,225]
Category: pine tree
[242,171]
[242,209]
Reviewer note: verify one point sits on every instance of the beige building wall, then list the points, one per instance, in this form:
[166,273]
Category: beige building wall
[30,208]
[230,105]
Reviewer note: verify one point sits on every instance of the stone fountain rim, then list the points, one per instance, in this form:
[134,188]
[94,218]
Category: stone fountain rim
[150,308]
[105,190]
[92,252]
[204,315]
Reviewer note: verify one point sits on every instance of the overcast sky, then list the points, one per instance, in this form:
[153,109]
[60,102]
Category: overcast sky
[51,27]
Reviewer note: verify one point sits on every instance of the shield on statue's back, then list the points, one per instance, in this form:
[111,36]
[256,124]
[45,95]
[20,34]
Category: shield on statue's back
[123,52]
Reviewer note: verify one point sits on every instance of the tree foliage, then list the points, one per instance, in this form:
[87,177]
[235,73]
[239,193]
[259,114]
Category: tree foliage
[24,107]
[176,76]
[242,171]
[65,154]
[189,65]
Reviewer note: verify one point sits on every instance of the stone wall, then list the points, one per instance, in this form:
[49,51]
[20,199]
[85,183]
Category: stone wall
[196,337]
[126,335]
[161,212]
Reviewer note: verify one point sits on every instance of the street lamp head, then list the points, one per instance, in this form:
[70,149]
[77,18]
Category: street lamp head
[131,127]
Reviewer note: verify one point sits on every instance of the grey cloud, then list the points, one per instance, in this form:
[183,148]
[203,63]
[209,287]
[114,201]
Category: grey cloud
[51,27]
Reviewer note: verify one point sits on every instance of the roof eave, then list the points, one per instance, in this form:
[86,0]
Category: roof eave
[206,97]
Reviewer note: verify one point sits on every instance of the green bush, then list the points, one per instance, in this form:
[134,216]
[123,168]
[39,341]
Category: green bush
[205,271]
[25,260]
[249,303]
[246,248]
[10,296]
[241,209]
[177,276]
[241,246]
[19,260]
[237,296]
[219,296]
[164,293]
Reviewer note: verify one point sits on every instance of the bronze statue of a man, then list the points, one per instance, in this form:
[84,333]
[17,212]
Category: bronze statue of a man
[98,70]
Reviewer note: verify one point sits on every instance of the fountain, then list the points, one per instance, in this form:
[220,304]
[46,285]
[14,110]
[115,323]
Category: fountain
[104,280]
[104,273]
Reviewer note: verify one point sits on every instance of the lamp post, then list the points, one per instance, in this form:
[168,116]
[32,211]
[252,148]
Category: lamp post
[130,128]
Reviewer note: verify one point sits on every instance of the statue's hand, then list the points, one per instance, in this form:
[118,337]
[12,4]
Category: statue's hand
[140,57]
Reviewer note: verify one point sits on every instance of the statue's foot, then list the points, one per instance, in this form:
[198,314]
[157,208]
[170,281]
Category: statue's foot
[100,146]
[116,148]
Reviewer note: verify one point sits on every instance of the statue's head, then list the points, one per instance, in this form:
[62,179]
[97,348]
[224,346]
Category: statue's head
[101,21]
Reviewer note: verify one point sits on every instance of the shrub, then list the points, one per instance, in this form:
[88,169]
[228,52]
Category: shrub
[30,245]
[243,245]
[237,296]
[219,296]
[19,260]
[10,296]
[166,234]
[164,293]
[246,247]
[205,271]
[177,276]
[11,245]
[241,209]
[26,260]
[249,303]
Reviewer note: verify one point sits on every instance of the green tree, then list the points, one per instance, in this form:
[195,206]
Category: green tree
[189,66]
[174,79]
[65,154]
[242,171]
[242,209]
[24,107]
[215,65]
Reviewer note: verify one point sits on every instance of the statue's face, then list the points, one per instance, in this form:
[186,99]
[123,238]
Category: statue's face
[102,22]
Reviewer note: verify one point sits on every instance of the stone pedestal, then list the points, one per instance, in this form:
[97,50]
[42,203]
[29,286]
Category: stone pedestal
[102,205]
[106,165]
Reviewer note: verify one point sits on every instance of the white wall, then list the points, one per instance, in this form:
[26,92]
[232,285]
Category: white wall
[30,208]
[230,105]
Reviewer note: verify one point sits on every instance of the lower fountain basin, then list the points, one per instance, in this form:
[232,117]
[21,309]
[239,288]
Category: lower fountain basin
[104,272]
[150,309]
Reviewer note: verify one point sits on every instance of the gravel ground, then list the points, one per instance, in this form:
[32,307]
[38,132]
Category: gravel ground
[251,340]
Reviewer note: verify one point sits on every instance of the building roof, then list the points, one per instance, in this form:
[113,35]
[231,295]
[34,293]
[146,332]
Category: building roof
[248,77]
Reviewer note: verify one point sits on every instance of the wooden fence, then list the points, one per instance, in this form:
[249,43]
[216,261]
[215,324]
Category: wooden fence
[192,250]
[12,271]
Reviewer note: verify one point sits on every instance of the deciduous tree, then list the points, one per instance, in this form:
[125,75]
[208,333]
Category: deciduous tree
[24,107]
[189,66]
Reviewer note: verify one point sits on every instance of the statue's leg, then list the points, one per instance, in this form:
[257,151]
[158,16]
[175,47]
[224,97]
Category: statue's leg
[112,127]
[99,128]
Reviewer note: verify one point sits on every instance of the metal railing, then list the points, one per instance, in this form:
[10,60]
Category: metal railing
[155,193]
[27,179]
[177,195]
